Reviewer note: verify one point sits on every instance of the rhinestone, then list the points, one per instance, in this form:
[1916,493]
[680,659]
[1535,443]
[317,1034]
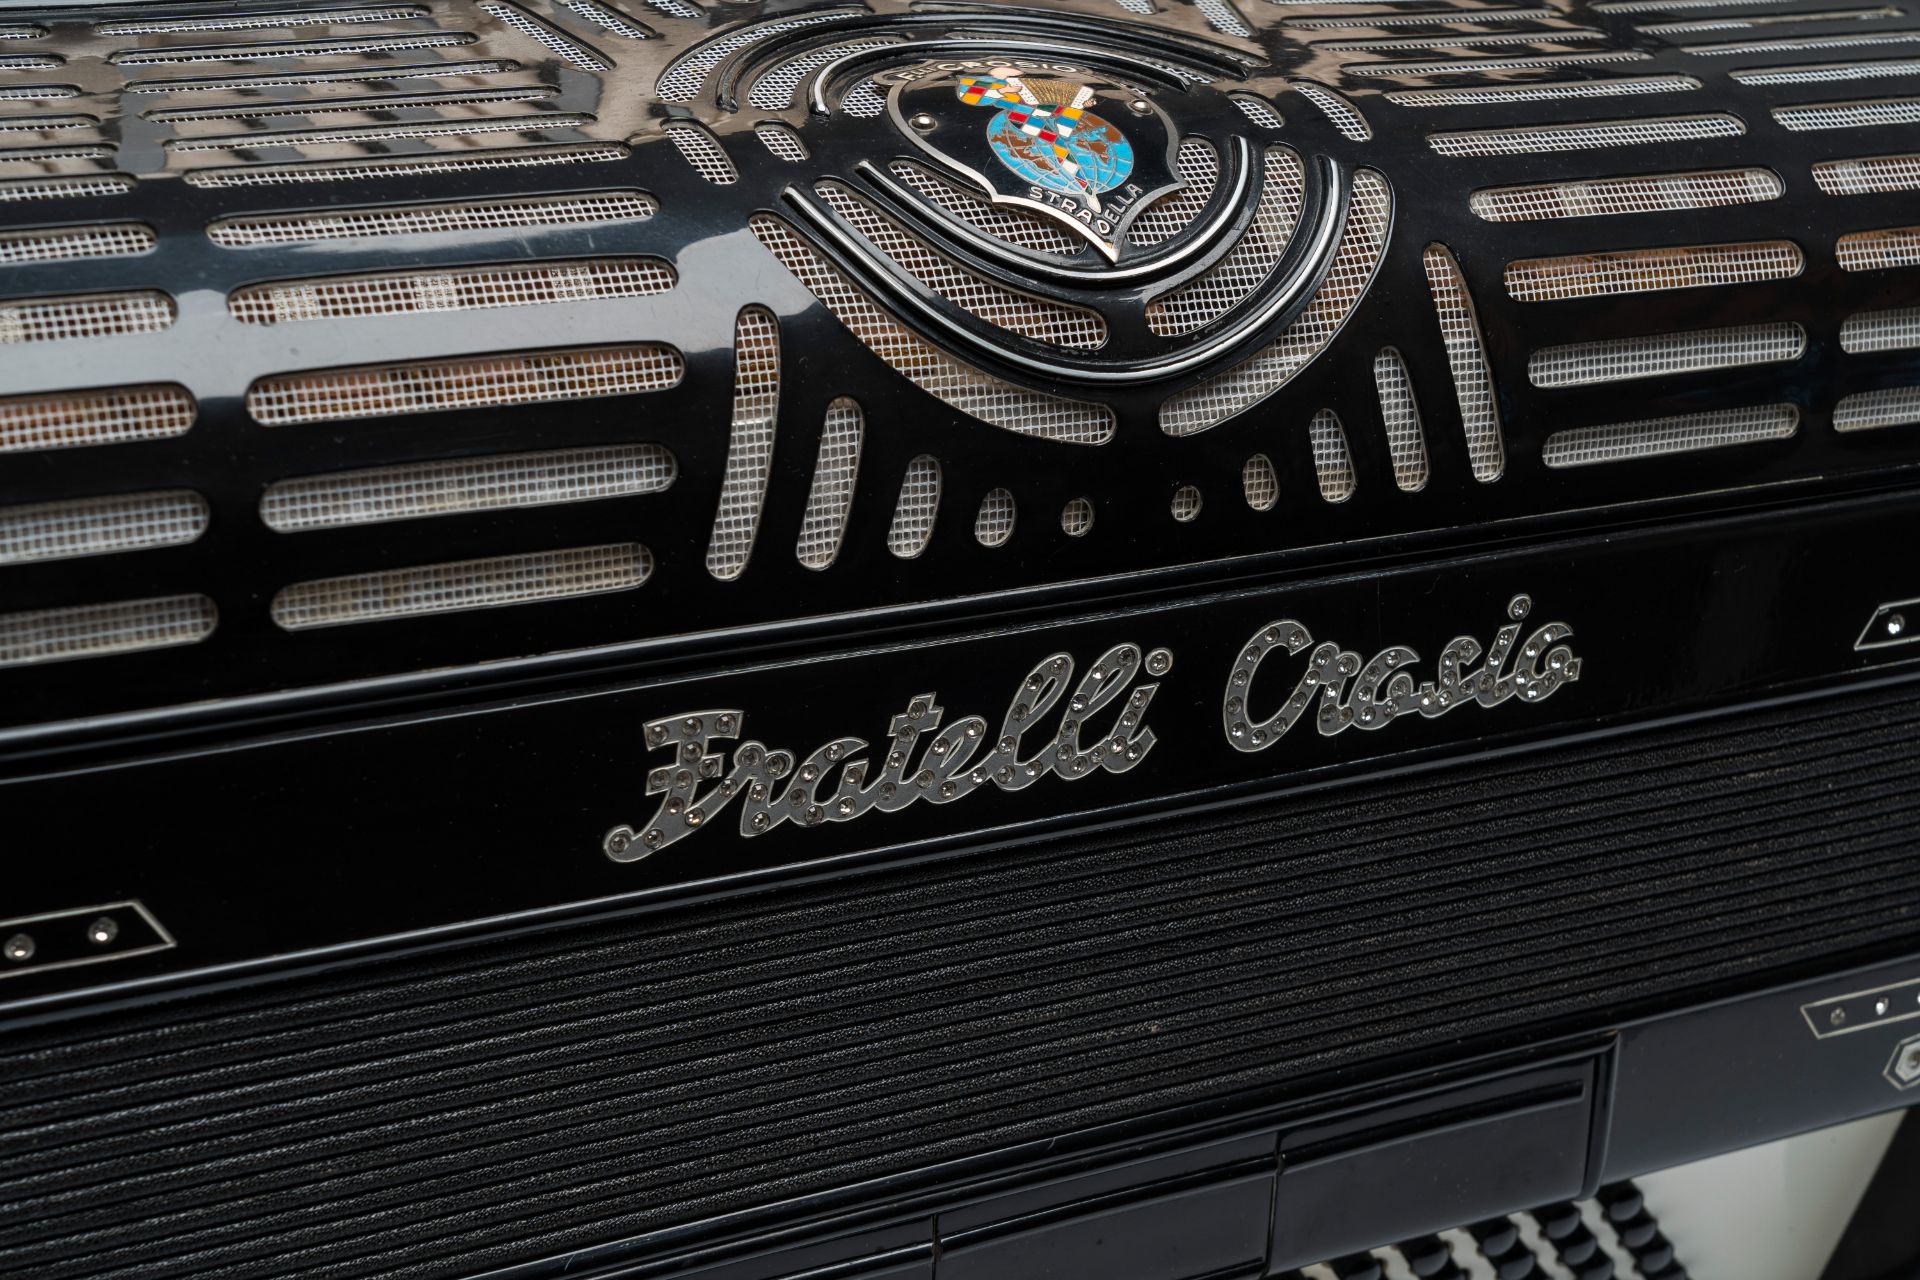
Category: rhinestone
[1519,606]
[695,817]
[675,804]
[657,734]
[808,774]
[1838,1017]
[1021,710]
[887,789]
[653,837]
[726,724]
[1896,623]
[939,746]
[949,790]
[1005,775]
[691,725]
[759,792]
[924,780]
[1006,744]
[761,821]
[1881,1006]
[833,751]
[815,813]
[749,755]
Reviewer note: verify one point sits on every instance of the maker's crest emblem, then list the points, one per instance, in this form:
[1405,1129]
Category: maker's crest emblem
[1028,133]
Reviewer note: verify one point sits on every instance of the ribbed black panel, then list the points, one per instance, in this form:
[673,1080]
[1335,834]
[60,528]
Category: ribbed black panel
[428,1118]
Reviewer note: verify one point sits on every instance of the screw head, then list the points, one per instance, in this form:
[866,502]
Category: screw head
[923,122]
[1140,106]
[18,948]
[1160,661]
[103,931]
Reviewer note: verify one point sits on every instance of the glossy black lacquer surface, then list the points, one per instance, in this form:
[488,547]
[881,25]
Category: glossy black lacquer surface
[402,947]
[722,268]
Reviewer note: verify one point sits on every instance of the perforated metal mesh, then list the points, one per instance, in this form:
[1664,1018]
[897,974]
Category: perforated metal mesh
[27,62]
[1010,225]
[967,389]
[701,151]
[552,40]
[783,142]
[353,224]
[1030,316]
[1368,19]
[1542,139]
[90,315]
[1872,410]
[1868,175]
[1332,459]
[830,498]
[364,75]
[1815,117]
[1656,355]
[1259,482]
[1638,193]
[57,153]
[1199,167]
[1256,110]
[756,403]
[1362,241]
[774,91]
[1595,275]
[1400,414]
[1185,504]
[1897,329]
[601,16]
[914,512]
[1792,44]
[1467,360]
[467,584]
[1144,8]
[62,188]
[1555,92]
[1656,437]
[1458,40]
[1344,115]
[434,386]
[1222,18]
[863,101]
[272,111]
[675,8]
[268,175]
[355,134]
[100,526]
[58,244]
[1076,518]
[682,80]
[449,486]
[1677,6]
[108,415]
[46,123]
[1826,72]
[993,525]
[470,289]
[259,21]
[100,630]
[1483,66]
[1748,22]
[165,55]
[1234,278]
[1878,250]
[37,92]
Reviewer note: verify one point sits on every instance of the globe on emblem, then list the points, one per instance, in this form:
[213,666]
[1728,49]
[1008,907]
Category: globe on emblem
[1044,133]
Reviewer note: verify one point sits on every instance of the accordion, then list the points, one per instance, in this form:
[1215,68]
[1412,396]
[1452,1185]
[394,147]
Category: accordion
[945,639]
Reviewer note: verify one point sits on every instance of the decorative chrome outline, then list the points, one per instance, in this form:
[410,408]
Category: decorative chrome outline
[1302,268]
[1907,634]
[1825,1028]
[1108,246]
[21,969]
[1382,691]
[945,771]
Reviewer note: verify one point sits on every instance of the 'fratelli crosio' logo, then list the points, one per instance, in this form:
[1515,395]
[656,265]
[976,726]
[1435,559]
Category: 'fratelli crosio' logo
[1046,136]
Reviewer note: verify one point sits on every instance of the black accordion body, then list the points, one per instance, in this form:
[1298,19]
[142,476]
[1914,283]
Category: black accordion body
[942,639]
